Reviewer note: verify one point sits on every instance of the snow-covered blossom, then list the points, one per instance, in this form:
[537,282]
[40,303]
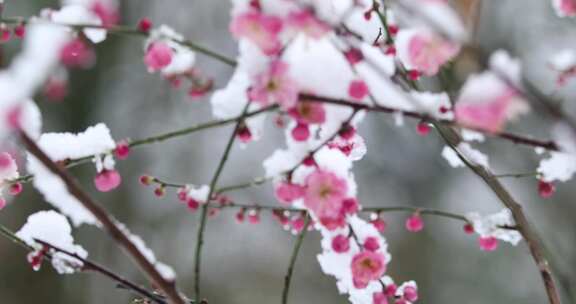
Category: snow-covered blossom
[358,89]
[305,22]
[308,112]
[158,56]
[408,292]
[8,171]
[286,192]
[424,51]
[261,29]
[367,266]
[364,275]
[28,71]
[95,140]
[165,53]
[564,63]
[198,193]
[434,104]
[275,86]
[437,15]
[77,14]
[495,225]
[53,228]
[324,195]
[487,103]
[107,11]
[560,166]
[564,8]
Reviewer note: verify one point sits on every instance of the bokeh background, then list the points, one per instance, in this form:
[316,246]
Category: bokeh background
[246,263]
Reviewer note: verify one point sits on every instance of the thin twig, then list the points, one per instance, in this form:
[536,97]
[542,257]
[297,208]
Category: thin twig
[159,138]
[88,265]
[204,211]
[517,139]
[124,30]
[106,220]
[523,225]
[295,251]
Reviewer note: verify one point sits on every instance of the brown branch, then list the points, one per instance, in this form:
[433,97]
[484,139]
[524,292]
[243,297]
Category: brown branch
[88,265]
[523,225]
[515,138]
[107,221]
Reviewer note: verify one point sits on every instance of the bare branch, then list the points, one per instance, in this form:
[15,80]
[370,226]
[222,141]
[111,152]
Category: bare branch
[107,221]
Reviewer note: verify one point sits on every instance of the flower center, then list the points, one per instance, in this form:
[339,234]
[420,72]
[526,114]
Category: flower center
[324,191]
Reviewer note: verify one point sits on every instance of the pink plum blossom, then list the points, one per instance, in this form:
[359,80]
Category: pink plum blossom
[55,89]
[244,134]
[20,30]
[305,22]
[488,243]
[424,51]
[565,8]
[7,163]
[122,149]
[275,86]
[411,293]
[340,243]
[358,89]
[546,189]
[158,56]
[262,30]
[487,103]
[107,11]
[107,180]
[325,192]
[16,189]
[301,132]
[5,33]
[353,56]
[390,290]
[379,224]
[371,244]
[490,116]
[423,128]
[145,24]
[379,298]
[287,192]
[350,205]
[324,195]
[414,223]
[77,54]
[367,266]
[309,112]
